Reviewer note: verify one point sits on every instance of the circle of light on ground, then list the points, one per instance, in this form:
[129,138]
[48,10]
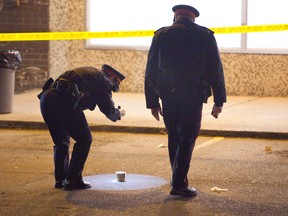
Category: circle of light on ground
[132,182]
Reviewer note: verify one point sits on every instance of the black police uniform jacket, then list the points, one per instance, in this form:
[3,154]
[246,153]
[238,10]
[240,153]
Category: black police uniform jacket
[95,85]
[187,54]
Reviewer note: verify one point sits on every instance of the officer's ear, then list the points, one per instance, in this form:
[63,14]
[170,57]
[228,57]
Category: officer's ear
[115,85]
[114,79]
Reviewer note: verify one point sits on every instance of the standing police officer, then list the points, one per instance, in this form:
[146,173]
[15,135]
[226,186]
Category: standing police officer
[183,65]
[62,103]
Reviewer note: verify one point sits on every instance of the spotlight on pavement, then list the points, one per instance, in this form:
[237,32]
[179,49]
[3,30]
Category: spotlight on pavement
[132,182]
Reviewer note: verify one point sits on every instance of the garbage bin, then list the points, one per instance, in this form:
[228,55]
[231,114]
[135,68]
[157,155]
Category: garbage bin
[9,61]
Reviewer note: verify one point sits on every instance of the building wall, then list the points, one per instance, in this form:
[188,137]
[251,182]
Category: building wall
[256,74]
[27,16]
[246,74]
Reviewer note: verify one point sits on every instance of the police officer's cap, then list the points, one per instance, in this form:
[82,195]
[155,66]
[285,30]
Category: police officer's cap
[182,8]
[112,72]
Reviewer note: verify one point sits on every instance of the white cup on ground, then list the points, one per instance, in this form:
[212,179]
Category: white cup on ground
[121,176]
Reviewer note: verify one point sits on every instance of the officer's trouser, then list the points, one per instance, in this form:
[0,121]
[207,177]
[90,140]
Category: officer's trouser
[182,116]
[64,121]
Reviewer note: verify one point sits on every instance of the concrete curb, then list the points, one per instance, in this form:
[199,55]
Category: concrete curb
[29,125]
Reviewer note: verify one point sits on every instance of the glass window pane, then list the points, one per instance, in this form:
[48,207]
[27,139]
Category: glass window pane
[265,12]
[128,15]
[221,13]
[228,40]
[131,15]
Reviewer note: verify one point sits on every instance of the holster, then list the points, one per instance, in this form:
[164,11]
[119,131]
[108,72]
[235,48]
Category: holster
[69,90]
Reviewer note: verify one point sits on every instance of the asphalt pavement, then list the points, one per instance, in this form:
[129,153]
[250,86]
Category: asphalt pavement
[253,172]
[253,180]
[256,117]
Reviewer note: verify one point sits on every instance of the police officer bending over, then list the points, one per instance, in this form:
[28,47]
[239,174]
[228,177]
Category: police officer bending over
[62,103]
[183,66]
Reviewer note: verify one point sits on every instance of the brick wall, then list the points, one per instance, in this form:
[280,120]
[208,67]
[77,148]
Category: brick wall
[18,16]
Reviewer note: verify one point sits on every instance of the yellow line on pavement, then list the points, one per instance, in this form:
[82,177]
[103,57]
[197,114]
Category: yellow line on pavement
[209,142]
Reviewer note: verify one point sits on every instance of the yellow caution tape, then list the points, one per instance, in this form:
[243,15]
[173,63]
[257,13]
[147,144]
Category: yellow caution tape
[37,36]
[248,29]
[71,35]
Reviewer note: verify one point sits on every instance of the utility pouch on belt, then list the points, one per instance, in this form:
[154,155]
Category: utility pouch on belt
[46,86]
[70,90]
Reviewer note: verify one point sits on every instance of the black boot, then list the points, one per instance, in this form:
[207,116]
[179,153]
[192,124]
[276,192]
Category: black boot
[59,184]
[76,185]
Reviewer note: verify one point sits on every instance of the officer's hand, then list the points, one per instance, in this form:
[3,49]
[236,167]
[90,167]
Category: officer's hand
[122,112]
[216,111]
[116,114]
[156,111]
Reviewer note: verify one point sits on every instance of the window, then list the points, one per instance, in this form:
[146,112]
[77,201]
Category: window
[213,12]
[126,15]
[131,15]
[261,12]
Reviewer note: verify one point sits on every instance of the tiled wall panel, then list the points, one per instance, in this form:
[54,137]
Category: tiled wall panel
[246,74]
